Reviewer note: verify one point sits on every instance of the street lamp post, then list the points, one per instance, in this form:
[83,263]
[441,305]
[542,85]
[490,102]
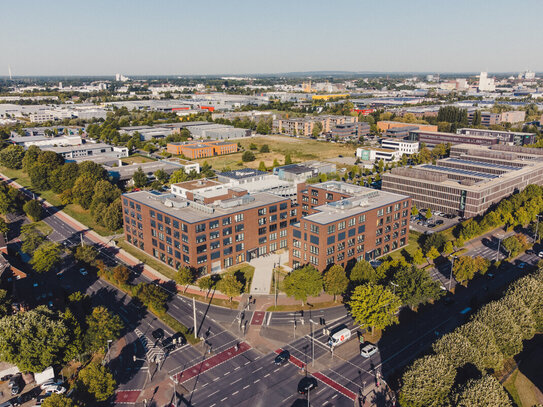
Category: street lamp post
[394,285]
[174,380]
[450,275]
[499,243]
[106,356]
[536,228]
[312,342]
[148,366]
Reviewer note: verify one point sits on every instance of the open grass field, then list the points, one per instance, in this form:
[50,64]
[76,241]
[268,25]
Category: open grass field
[136,159]
[299,150]
[75,211]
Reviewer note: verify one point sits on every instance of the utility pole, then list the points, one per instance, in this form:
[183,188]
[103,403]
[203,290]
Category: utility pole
[499,242]
[81,236]
[194,316]
[450,275]
[174,380]
[312,343]
[536,228]
[275,281]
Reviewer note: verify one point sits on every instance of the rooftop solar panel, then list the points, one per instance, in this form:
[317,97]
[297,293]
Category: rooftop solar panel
[459,171]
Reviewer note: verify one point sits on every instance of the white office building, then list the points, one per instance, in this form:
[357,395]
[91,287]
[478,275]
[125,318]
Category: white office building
[486,84]
[402,146]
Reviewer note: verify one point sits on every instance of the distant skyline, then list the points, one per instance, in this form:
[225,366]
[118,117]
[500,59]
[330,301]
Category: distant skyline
[168,37]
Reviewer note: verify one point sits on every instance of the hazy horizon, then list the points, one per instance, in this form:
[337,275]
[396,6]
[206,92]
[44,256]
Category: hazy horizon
[240,37]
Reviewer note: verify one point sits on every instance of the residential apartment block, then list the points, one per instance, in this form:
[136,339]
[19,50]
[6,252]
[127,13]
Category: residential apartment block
[304,126]
[471,180]
[88,150]
[202,149]
[385,125]
[342,223]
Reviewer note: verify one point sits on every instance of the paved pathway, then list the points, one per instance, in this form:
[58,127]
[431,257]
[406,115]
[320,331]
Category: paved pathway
[262,278]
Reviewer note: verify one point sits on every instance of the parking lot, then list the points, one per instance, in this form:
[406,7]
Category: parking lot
[438,222]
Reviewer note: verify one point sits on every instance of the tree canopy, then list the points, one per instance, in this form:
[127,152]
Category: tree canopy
[335,281]
[374,306]
[302,283]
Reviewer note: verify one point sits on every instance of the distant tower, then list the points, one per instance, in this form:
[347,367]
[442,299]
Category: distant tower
[9,70]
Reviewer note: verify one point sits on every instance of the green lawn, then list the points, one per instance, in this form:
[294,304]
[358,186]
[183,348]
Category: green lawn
[75,211]
[411,247]
[43,227]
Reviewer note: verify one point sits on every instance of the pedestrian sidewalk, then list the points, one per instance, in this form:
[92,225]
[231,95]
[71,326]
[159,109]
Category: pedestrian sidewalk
[264,267]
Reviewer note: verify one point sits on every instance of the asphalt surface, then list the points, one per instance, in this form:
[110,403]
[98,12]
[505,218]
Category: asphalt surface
[233,374]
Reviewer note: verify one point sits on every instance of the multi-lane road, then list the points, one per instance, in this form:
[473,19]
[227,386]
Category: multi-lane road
[231,372]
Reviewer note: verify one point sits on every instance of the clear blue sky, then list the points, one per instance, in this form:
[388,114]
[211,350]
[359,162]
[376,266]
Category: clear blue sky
[134,37]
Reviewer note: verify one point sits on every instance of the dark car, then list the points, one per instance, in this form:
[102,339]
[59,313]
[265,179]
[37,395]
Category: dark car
[14,380]
[307,384]
[439,222]
[158,334]
[282,358]
[173,342]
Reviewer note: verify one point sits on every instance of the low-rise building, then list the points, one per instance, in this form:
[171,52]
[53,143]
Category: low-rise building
[515,116]
[402,146]
[43,141]
[126,172]
[304,126]
[433,138]
[376,154]
[504,136]
[202,149]
[385,125]
[350,130]
[400,132]
[88,150]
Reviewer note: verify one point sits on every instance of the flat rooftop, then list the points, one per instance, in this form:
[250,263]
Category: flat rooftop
[242,173]
[191,212]
[197,184]
[362,200]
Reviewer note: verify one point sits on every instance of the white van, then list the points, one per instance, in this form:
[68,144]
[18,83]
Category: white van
[339,337]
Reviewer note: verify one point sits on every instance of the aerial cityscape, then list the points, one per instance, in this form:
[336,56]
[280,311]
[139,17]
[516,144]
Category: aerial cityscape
[282,204]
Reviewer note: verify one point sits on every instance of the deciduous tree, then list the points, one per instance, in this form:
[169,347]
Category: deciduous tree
[230,286]
[374,306]
[12,156]
[95,383]
[482,338]
[427,382]
[458,350]
[363,272]
[58,400]
[484,392]
[335,281]
[86,253]
[302,283]
[139,178]
[102,326]
[185,277]
[46,257]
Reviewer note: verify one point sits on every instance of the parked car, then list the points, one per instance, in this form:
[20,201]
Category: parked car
[282,358]
[439,222]
[307,384]
[15,379]
[57,390]
[368,350]
[540,254]
[83,271]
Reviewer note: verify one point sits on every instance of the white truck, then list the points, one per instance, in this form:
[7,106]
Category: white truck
[339,337]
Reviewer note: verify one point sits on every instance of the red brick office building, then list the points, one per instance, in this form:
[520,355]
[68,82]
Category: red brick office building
[207,236]
[344,223]
[214,227]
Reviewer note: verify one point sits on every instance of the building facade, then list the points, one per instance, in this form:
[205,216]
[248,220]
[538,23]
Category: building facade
[344,223]
[202,149]
[510,137]
[471,180]
[433,138]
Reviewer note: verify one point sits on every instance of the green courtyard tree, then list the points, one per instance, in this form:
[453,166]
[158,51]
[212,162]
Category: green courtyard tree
[121,274]
[414,210]
[374,306]
[162,176]
[432,254]
[288,160]
[427,382]
[448,248]
[335,281]
[302,283]
[103,325]
[265,148]
[95,383]
[46,257]
[230,286]
[418,257]
[262,167]
[428,214]
[33,340]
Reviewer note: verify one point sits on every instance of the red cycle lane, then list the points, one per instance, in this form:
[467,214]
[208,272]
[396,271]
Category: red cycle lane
[258,317]
[127,396]
[212,362]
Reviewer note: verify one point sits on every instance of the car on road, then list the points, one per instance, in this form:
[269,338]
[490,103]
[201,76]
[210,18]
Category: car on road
[173,342]
[307,384]
[490,275]
[56,389]
[522,265]
[282,358]
[158,334]
[540,254]
[83,271]
[368,350]
[51,383]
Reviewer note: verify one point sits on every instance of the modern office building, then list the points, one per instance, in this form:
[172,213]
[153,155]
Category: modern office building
[209,232]
[342,223]
[487,118]
[514,116]
[377,154]
[384,125]
[433,138]
[509,137]
[402,146]
[471,180]
[350,130]
[400,132]
[304,126]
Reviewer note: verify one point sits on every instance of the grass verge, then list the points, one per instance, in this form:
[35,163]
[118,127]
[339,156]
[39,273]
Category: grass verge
[214,301]
[43,227]
[75,211]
